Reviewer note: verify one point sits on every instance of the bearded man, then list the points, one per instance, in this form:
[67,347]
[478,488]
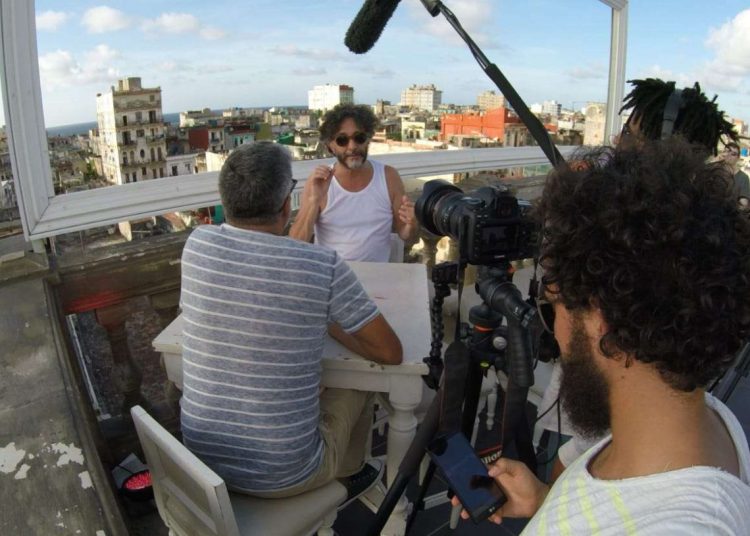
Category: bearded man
[645,255]
[353,205]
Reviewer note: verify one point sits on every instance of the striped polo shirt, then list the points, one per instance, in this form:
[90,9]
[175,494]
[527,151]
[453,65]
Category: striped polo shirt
[256,308]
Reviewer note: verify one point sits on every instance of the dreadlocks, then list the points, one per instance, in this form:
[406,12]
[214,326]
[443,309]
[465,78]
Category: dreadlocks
[699,120]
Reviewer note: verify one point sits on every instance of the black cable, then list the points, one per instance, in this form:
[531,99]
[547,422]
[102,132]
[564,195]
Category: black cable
[555,403]
[559,432]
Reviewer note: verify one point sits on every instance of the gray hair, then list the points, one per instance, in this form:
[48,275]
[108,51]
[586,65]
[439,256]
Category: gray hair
[254,182]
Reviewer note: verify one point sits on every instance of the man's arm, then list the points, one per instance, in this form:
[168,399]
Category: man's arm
[312,201]
[404,220]
[375,341]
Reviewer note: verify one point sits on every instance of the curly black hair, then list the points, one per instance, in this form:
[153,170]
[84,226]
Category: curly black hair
[652,237]
[362,115]
[699,120]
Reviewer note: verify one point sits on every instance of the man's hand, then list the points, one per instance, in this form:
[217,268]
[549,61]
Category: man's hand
[313,195]
[316,187]
[525,492]
[407,217]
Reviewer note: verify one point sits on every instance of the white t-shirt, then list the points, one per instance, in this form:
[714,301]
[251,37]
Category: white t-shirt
[357,225]
[693,501]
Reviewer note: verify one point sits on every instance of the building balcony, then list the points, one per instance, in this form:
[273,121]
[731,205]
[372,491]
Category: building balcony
[144,163]
[120,125]
[137,105]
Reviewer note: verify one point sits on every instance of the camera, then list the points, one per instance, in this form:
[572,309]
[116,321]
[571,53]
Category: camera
[490,224]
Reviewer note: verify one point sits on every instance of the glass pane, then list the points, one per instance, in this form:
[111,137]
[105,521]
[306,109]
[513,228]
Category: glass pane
[10,224]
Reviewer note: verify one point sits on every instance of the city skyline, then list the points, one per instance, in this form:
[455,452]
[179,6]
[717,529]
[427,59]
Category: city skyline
[227,55]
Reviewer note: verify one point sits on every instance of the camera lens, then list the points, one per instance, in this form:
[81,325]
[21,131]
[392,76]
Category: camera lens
[436,208]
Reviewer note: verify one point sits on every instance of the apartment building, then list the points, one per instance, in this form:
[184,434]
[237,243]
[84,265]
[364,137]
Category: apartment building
[132,143]
[552,108]
[489,100]
[327,96]
[422,97]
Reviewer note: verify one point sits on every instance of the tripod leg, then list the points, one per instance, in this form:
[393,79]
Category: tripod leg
[418,503]
[409,465]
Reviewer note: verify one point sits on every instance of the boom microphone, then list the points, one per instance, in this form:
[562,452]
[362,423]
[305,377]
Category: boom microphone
[369,24]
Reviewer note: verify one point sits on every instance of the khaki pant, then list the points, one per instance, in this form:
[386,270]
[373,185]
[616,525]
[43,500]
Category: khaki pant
[345,428]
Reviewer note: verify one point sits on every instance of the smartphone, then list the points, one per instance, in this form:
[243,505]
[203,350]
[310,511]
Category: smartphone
[466,475]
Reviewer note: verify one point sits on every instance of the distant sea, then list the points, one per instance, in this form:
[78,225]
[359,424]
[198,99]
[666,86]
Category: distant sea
[83,128]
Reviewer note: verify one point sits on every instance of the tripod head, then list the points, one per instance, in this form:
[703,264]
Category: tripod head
[501,296]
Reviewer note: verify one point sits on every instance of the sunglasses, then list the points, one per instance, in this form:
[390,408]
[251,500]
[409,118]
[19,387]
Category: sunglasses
[545,310]
[342,140]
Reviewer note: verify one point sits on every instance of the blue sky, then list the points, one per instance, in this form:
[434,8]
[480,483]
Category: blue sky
[260,52]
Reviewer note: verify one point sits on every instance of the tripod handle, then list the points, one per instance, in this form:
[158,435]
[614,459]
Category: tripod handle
[518,354]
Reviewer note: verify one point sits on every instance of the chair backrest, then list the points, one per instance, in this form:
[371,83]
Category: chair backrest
[191,498]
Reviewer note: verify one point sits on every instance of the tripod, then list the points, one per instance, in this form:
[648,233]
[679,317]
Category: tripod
[455,405]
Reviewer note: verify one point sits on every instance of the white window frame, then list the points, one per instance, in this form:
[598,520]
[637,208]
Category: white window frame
[44,214]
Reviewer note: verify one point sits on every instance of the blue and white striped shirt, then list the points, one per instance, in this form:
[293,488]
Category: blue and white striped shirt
[256,308]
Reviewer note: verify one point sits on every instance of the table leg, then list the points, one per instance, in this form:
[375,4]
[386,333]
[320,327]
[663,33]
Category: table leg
[404,397]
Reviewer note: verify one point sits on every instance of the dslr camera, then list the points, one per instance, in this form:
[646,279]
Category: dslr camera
[490,224]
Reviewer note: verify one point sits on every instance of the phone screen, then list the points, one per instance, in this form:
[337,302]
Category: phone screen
[467,475]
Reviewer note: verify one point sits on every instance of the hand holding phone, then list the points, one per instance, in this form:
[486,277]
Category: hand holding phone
[467,476]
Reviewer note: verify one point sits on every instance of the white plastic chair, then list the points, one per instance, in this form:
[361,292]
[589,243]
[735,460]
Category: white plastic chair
[193,500]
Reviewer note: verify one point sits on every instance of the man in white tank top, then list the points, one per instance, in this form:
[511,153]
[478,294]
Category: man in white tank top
[353,205]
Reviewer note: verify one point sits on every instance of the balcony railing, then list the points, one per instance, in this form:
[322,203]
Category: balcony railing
[46,214]
[137,123]
[105,206]
[137,105]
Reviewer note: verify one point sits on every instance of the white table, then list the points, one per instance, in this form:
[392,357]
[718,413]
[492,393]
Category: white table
[401,293]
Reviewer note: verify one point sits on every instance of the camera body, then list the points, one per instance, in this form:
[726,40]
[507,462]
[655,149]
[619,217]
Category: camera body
[490,224]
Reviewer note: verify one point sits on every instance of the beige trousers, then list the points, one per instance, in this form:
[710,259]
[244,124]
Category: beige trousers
[345,428]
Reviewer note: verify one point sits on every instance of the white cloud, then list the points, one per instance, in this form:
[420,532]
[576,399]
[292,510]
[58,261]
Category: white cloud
[180,23]
[657,71]
[377,71]
[474,15]
[62,69]
[729,70]
[309,71]
[212,33]
[102,19]
[169,66]
[173,23]
[50,20]
[588,72]
[731,42]
[309,53]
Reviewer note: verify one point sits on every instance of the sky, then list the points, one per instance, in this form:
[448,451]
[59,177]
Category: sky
[221,54]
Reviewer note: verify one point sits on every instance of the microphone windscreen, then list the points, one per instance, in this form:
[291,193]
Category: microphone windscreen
[369,24]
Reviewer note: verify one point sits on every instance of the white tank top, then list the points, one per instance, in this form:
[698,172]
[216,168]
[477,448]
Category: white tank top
[358,224]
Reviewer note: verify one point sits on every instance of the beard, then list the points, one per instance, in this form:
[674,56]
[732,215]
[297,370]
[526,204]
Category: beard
[356,164]
[584,392]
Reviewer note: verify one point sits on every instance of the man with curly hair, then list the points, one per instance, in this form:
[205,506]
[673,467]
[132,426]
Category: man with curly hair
[353,205]
[659,110]
[645,257]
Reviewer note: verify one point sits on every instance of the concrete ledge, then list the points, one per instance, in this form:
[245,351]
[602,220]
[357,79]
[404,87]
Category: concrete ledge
[51,478]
